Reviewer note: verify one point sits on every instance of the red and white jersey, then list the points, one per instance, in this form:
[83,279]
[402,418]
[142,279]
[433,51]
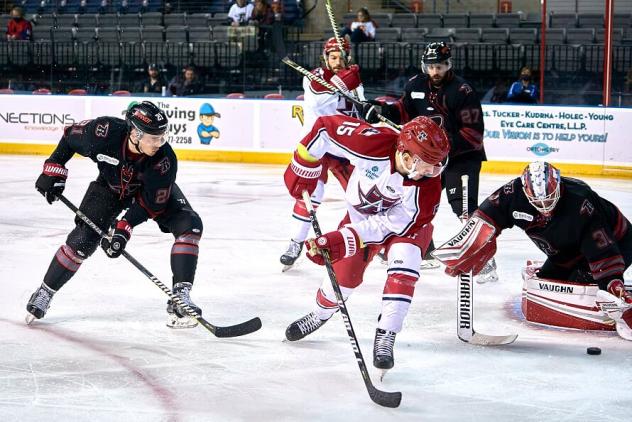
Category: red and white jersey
[319,101]
[381,203]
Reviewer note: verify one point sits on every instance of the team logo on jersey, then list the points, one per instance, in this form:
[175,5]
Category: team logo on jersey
[101,130]
[372,172]
[107,159]
[369,131]
[517,215]
[374,201]
[544,245]
[587,208]
[416,95]
[163,166]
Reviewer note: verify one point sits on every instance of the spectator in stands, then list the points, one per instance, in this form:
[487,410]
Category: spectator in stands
[19,28]
[155,81]
[62,7]
[497,94]
[362,29]
[144,6]
[103,7]
[123,7]
[186,84]
[277,10]
[240,13]
[262,17]
[83,7]
[523,90]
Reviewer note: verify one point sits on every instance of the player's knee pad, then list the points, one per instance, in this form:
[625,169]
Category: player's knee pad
[561,303]
[83,241]
[186,221]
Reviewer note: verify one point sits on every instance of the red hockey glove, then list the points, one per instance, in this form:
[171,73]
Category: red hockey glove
[342,243]
[115,246]
[617,288]
[470,249]
[347,79]
[52,181]
[302,175]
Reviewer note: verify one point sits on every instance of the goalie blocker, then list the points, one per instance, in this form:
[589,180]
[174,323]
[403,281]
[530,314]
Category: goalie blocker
[557,303]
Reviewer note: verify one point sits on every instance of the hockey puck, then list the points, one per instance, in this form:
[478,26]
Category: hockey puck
[593,351]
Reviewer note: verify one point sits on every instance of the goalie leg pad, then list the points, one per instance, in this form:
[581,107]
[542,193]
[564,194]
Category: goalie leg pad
[562,303]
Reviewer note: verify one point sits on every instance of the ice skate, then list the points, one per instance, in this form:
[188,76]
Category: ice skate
[39,303]
[178,317]
[488,273]
[383,351]
[291,255]
[304,326]
[429,264]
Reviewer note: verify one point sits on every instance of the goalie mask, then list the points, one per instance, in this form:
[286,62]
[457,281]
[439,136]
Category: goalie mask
[426,143]
[541,185]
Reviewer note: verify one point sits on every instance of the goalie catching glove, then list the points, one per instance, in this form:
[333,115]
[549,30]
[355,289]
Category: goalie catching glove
[340,244]
[470,249]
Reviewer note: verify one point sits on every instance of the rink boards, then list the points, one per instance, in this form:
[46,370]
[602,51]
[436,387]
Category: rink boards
[581,140]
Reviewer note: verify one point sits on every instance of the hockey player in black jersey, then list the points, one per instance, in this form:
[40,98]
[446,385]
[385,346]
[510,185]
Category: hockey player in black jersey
[437,92]
[587,241]
[137,174]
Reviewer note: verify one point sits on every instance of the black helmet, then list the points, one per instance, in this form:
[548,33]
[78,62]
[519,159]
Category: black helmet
[436,52]
[147,117]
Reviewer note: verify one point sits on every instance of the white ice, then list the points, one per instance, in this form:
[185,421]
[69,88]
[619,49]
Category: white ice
[103,353]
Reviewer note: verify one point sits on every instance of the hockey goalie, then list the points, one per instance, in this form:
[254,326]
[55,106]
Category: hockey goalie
[587,241]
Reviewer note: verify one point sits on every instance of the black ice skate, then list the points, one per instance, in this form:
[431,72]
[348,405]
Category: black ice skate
[304,326]
[39,303]
[291,255]
[178,316]
[383,350]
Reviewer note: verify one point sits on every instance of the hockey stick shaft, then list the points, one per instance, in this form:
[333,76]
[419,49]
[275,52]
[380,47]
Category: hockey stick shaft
[383,398]
[465,295]
[309,75]
[229,331]
[465,311]
[334,27]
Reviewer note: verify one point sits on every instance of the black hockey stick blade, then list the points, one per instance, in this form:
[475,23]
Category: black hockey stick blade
[237,330]
[385,398]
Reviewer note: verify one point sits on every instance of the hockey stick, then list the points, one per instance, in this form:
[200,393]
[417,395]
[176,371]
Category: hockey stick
[465,299]
[309,75]
[228,331]
[334,27]
[383,398]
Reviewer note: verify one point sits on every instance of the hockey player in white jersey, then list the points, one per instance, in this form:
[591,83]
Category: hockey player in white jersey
[392,196]
[319,101]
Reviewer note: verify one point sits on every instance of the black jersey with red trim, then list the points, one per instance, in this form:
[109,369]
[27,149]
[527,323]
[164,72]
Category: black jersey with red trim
[583,229]
[148,180]
[454,104]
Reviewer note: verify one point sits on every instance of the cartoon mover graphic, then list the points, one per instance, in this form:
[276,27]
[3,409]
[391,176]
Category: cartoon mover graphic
[206,130]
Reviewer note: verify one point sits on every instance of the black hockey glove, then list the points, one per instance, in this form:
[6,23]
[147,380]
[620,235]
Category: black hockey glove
[370,110]
[115,246]
[52,181]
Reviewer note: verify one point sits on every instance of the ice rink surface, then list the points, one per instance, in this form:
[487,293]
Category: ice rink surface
[103,353]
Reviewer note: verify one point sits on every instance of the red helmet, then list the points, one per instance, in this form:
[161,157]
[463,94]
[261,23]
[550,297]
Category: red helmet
[331,45]
[541,185]
[423,138]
